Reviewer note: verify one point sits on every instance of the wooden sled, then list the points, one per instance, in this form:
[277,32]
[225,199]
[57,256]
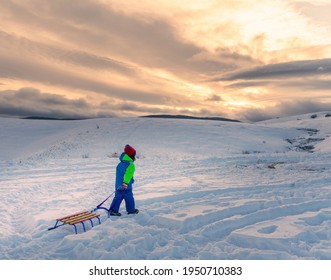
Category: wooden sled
[78,218]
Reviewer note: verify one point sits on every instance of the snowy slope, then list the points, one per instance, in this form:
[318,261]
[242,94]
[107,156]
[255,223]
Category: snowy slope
[205,189]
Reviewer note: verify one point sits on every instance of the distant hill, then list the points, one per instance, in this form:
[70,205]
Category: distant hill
[189,118]
[49,119]
[148,116]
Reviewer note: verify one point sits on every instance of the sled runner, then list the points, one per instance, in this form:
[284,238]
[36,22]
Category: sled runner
[75,219]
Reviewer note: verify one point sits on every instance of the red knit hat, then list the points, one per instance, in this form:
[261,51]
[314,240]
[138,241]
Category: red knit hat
[131,152]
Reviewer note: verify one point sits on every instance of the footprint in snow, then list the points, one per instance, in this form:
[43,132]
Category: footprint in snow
[268,230]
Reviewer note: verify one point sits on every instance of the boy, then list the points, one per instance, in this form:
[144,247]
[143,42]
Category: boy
[123,185]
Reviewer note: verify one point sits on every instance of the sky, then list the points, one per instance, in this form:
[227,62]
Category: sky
[243,59]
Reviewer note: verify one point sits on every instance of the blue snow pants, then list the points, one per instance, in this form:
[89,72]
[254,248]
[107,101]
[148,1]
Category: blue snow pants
[125,194]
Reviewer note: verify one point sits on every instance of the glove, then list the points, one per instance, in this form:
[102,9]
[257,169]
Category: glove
[123,186]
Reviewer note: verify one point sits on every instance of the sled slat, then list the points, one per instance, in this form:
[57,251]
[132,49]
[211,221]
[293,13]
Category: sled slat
[82,219]
[73,215]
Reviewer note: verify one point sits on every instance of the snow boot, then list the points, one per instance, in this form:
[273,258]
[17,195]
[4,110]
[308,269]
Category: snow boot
[114,213]
[136,211]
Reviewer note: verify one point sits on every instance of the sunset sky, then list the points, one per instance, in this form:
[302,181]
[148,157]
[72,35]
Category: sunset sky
[243,59]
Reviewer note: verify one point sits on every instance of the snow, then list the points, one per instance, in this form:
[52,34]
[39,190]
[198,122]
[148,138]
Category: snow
[205,189]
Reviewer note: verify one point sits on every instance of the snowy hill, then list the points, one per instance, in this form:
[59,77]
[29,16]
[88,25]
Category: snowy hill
[205,189]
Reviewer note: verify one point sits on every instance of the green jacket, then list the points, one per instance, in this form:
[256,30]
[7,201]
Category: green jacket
[125,171]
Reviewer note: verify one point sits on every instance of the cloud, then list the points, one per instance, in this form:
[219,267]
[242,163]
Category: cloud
[11,45]
[93,25]
[104,51]
[108,37]
[248,84]
[215,98]
[156,56]
[308,84]
[18,68]
[282,70]
[318,11]
[31,102]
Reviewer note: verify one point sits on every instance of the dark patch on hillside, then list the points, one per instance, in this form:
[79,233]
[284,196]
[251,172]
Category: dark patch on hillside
[190,118]
[49,119]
